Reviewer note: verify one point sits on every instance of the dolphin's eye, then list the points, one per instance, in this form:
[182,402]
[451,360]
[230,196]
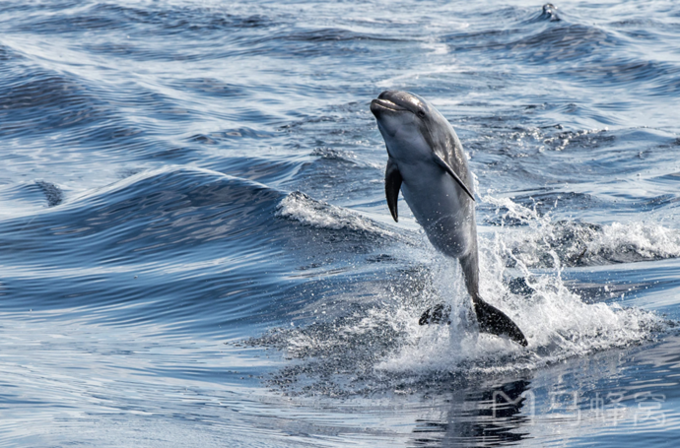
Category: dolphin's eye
[421,114]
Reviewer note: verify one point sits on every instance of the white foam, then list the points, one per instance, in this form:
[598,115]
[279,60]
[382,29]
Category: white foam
[638,241]
[557,322]
[649,240]
[299,207]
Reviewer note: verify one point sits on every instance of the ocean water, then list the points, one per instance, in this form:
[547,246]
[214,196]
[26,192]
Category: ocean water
[195,248]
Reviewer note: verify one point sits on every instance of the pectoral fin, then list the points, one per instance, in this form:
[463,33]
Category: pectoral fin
[436,315]
[453,174]
[392,186]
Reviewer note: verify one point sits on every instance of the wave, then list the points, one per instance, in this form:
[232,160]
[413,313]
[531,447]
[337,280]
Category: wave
[25,198]
[545,243]
[549,13]
[192,248]
[39,101]
[299,207]
[572,49]
[41,105]
[139,220]
[172,19]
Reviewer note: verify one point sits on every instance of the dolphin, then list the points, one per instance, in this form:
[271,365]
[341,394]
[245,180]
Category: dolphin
[427,163]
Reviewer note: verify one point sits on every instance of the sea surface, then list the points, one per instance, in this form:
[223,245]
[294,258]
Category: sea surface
[196,251]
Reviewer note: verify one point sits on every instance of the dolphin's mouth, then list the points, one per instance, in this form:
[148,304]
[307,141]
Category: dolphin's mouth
[380,104]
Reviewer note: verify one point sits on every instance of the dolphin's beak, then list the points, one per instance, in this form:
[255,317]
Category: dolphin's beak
[381,105]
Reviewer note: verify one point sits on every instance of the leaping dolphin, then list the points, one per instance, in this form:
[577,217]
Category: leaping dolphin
[426,161]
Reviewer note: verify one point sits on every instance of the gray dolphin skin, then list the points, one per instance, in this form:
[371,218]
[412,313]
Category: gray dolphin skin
[426,161]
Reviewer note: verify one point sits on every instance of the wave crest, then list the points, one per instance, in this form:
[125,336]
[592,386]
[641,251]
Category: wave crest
[297,206]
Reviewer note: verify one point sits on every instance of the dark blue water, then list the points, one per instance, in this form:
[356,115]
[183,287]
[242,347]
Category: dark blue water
[195,248]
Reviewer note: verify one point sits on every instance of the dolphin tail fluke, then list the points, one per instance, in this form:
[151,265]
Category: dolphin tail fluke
[494,321]
[491,320]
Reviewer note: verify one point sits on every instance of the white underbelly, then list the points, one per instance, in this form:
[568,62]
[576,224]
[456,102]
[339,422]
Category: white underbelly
[441,207]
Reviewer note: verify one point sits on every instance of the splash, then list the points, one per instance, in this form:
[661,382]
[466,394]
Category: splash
[379,346]
[555,320]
